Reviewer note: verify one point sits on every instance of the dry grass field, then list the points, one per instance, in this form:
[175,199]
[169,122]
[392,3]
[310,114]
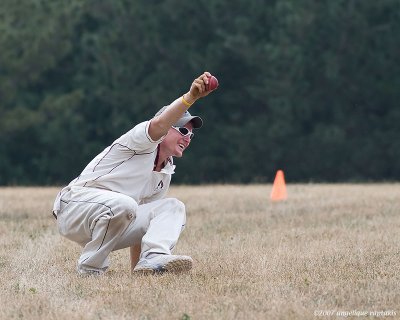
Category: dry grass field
[329,251]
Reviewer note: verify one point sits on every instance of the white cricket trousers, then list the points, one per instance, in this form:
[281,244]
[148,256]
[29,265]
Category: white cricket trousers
[102,221]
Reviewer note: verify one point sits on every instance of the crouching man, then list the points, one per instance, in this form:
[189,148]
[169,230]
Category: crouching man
[118,201]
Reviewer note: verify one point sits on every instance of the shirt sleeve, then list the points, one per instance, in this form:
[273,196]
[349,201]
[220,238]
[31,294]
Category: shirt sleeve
[138,138]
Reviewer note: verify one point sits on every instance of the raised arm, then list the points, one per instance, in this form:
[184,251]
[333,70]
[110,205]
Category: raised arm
[160,124]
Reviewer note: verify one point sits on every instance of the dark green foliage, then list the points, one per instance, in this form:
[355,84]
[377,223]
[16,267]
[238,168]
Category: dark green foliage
[306,86]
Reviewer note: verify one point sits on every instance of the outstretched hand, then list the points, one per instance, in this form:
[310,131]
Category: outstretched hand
[168,116]
[198,88]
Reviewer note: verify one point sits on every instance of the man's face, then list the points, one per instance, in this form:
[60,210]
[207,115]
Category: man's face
[175,143]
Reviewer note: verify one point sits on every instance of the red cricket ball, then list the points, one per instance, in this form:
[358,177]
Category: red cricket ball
[212,83]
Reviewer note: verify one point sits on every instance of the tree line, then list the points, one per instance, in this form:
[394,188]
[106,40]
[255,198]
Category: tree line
[307,86]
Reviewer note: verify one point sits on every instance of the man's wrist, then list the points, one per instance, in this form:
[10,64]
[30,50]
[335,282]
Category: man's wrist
[188,98]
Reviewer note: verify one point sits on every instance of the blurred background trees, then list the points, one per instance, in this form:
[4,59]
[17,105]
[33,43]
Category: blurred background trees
[306,86]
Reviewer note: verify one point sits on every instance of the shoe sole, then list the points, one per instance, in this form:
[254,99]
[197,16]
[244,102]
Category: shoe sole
[175,266]
[90,274]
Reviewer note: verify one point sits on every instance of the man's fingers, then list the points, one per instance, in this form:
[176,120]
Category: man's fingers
[204,77]
[201,84]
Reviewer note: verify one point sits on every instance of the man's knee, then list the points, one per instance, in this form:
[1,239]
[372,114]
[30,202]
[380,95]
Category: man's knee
[125,208]
[177,205]
[177,208]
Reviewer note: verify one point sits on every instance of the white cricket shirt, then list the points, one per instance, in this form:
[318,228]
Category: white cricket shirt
[126,166]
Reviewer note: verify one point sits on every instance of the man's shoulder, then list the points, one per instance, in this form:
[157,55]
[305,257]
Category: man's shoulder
[138,138]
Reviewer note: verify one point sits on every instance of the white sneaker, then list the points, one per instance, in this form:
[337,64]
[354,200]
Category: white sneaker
[87,273]
[90,273]
[163,263]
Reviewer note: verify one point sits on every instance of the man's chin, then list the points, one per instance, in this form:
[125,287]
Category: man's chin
[178,154]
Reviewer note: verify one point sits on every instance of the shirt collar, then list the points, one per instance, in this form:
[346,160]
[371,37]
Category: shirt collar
[169,167]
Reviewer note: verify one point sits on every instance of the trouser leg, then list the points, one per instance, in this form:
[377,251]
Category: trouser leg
[95,219]
[158,226]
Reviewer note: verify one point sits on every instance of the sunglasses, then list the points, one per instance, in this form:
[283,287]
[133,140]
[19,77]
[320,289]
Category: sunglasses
[184,132]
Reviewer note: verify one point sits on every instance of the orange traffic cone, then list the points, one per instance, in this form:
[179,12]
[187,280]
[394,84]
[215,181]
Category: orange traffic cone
[278,192]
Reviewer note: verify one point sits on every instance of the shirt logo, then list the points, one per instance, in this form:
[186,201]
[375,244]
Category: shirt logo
[160,185]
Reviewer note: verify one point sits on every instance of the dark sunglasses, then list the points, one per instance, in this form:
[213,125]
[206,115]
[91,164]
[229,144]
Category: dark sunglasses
[184,132]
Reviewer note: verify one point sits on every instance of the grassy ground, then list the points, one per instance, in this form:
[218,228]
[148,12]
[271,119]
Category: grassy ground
[329,251]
